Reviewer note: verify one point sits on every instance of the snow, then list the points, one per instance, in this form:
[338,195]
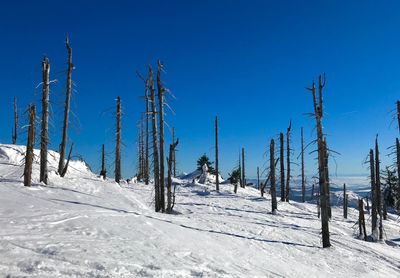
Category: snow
[82,226]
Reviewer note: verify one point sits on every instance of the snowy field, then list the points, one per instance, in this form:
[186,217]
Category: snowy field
[82,226]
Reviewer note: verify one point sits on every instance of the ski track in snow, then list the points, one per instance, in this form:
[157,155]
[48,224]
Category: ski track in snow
[82,226]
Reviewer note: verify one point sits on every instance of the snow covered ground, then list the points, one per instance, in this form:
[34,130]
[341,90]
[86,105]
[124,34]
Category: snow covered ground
[82,226]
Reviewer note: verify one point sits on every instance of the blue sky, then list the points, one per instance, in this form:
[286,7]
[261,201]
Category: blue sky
[247,61]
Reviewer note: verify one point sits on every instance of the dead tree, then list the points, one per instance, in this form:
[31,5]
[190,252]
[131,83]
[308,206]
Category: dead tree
[44,137]
[103,172]
[67,108]
[141,158]
[344,202]
[282,166]
[29,146]
[287,191]
[170,168]
[258,178]
[272,176]
[161,99]
[303,179]
[361,219]
[64,172]
[398,169]
[146,143]
[156,163]
[216,155]
[243,170]
[378,187]
[118,142]
[373,193]
[16,124]
[174,161]
[322,167]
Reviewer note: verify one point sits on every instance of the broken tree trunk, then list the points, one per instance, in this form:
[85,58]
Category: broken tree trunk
[282,166]
[287,190]
[44,137]
[243,171]
[29,147]
[170,168]
[272,175]
[378,187]
[64,172]
[103,172]
[216,155]
[118,143]
[373,192]
[161,98]
[303,179]
[324,198]
[63,145]
[16,124]
[344,202]
[361,219]
[156,163]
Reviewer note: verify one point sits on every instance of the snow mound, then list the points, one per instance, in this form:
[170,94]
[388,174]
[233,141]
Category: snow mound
[83,226]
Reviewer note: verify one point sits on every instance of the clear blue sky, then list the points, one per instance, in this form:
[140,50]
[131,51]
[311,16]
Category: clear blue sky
[247,61]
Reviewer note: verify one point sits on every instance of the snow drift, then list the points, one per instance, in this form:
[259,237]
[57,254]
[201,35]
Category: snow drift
[82,226]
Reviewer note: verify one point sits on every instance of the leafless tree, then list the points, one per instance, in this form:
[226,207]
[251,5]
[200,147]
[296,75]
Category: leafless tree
[44,137]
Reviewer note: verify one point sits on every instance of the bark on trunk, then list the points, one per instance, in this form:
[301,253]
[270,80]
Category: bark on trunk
[287,191]
[156,164]
[161,92]
[44,137]
[303,179]
[118,143]
[282,166]
[216,155]
[29,147]
[66,110]
[272,176]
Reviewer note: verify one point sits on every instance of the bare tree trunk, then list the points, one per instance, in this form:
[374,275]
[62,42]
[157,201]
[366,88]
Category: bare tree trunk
[161,91]
[16,124]
[378,187]
[272,175]
[344,202]
[361,219]
[44,137]
[64,172]
[156,163]
[373,192]
[322,167]
[216,155]
[243,170]
[303,180]
[287,191]
[118,143]
[282,166]
[312,191]
[103,171]
[398,170]
[66,111]
[29,147]
[170,166]
[258,178]
[146,154]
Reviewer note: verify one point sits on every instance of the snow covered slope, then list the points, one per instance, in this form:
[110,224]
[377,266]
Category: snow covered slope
[82,226]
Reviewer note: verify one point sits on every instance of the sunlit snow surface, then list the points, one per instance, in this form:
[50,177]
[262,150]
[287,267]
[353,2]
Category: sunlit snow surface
[82,226]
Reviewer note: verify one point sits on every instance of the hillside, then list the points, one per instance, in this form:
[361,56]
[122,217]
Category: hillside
[82,226]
